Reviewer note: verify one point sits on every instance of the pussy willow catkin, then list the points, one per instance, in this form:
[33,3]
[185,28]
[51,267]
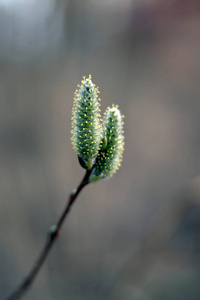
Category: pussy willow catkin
[86,127]
[112,145]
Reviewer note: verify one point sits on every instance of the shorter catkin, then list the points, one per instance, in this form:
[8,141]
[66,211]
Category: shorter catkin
[112,145]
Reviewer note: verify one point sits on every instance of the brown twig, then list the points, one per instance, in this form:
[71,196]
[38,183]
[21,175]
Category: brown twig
[51,238]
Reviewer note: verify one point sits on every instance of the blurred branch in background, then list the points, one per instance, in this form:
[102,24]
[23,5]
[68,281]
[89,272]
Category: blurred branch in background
[30,30]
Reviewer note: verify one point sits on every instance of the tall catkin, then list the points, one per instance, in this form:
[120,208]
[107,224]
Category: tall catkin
[86,126]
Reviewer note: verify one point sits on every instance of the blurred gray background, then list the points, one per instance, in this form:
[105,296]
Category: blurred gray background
[136,235]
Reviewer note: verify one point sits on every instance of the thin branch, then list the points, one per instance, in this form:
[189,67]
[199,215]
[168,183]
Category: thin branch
[51,238]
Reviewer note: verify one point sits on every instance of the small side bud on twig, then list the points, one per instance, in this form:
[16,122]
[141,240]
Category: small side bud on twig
[53,230]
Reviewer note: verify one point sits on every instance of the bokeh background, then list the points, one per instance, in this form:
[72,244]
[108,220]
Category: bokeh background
[136,235]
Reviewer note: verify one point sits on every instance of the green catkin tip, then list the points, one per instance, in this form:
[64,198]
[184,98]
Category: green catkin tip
[89,164]
[104,143]
[85,119]
[110,153]
[96,178]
